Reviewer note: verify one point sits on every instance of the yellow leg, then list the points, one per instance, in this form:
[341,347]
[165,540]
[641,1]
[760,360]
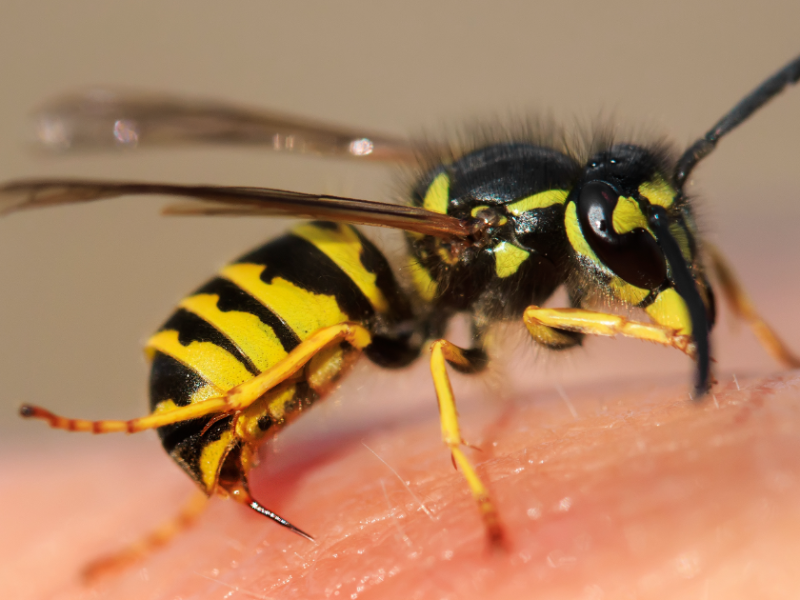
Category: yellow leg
[443,352]
[598,323]
[237,399]
[156,539]
[744,309]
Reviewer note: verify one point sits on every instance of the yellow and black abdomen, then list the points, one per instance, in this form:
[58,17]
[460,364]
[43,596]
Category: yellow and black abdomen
[250,317]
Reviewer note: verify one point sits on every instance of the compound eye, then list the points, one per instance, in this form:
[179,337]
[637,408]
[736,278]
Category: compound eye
[635,255]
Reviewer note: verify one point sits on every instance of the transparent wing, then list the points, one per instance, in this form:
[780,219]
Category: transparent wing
[100,119]
[221,200]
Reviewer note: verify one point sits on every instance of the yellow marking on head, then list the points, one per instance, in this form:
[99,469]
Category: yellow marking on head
[658,192]
[670,310]
[437,198]
[213,363]
[540,200]
[508,258]
[620,289]
[303,311]
[626,292]
[211,459]
[423,282]
[575,235]
[344,248]
[628,216]
[682,239]
[255,339]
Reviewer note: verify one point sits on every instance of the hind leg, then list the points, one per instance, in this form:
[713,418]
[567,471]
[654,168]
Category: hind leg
[234,401]
[744,308]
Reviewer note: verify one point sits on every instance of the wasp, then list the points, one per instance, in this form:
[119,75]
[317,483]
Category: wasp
[492,231]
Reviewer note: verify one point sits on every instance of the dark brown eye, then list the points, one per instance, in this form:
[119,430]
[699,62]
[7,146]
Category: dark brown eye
[634,256]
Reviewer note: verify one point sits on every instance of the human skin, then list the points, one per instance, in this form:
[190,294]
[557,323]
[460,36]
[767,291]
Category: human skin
[621,490]
[609,482]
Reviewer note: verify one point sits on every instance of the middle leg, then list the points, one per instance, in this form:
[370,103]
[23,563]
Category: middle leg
[464,361]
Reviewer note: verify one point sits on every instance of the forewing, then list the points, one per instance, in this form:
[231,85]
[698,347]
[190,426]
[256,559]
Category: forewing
[221,200]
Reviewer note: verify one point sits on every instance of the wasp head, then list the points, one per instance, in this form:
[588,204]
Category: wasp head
[633,235]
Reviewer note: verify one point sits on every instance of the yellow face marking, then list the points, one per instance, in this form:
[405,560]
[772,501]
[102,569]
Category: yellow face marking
[422,280]
[437,197]
[658,192]
[211,459]
[575,235]
[303,311]
[254,338]
[540,200]
[508,259]
[628,216]
[670,310]
[621,289]
[682,238]
[213,363]
[625,292]
[344,248]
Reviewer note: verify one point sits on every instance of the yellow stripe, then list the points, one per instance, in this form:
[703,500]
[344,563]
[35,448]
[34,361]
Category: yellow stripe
[575,235]
[210,458]
[670,310]
[658,192]
[508,258]
[682,238]
[627,292]
[628,216]
[540,200]
[204,393]
[437,198]
[303,311]
[253,337]
[621,289]
[213,363]
[344,248]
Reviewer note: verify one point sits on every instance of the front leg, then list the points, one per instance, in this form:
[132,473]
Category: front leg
[592,322]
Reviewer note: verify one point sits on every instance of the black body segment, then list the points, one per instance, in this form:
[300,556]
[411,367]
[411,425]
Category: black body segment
[251,316]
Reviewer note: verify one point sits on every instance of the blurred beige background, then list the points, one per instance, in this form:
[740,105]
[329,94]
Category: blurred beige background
[83,287]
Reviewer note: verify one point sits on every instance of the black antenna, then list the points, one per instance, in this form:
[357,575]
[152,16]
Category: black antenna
[773,86]
[687,289]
